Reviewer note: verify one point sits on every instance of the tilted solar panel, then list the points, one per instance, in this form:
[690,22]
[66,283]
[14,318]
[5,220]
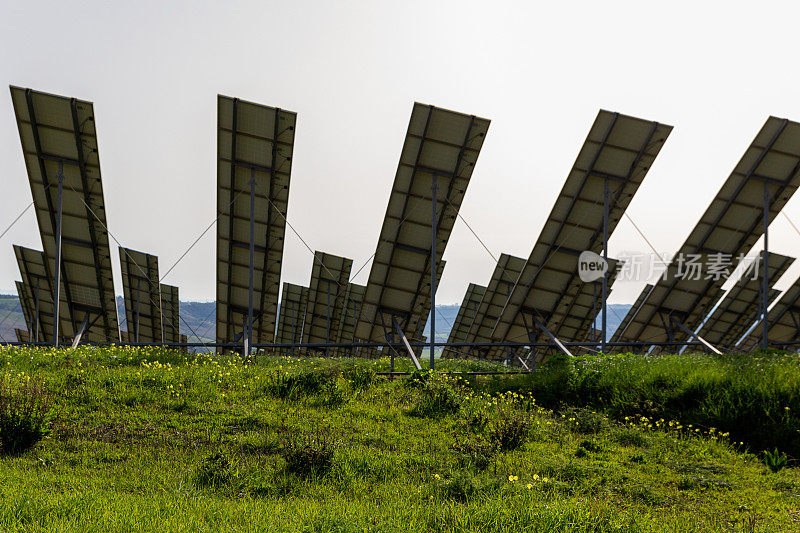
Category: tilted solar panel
[733,222]
[329,279]
[170,313]
[500,285]
[439,143]
[32,268]
[26,302]
[254,143]
[351,307]
[464,319]
[619,333]
[614,159]
[142,294]
[294,299]
[740,307]
[60,133]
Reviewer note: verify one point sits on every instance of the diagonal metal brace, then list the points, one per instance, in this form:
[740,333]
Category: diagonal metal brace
[552,337]
[695,336]
[524,364]
[81,331]
[408,346]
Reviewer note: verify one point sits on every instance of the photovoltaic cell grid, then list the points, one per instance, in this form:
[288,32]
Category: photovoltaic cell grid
[741,306]
[142,295]
[35,279]
[294,299]
[783,320]
[464,319]
[502,282]
[54,131]
[329,278]
[731,225]
[619,150]
[170,313]
[441,143]
[253,141]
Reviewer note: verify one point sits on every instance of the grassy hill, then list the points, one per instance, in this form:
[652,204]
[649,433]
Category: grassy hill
[153,440]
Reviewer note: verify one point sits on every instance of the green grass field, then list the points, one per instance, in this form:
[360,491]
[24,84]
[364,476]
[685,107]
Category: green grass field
[145,439]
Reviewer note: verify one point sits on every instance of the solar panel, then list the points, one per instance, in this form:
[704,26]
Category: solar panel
[741,306]
[292,313]
[142,295]
[351,307]
[617,154]
[329,277]
[22,335]
[620,331]
[464,319]
[494,299]
[58,132]
[36,281]
[170,313]
[254,142]
[439,143]
[27,304]
[731,225]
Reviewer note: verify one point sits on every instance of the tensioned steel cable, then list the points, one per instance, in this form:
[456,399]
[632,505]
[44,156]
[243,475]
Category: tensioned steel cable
[15,220]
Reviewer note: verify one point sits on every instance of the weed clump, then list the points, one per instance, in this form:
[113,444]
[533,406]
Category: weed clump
[214,471]
[474,451]
[359,377]
[308,452]
[292,386]
[436,396]
[510,430]
[775,460]
[26,413]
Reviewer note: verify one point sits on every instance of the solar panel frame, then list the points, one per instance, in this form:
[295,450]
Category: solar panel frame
[783,319]
[740,307]
[620,150]
[141,292]
[258,141]
[351,308]
[501,284]
[438,142]
[465,318]
[33,270]
[330,272]
[170,313]
[25,302]
[58,131]
[731,224]
[22,335]
[294,299]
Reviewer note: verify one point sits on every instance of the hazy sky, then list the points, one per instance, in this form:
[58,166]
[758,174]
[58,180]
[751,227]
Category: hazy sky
[351,70]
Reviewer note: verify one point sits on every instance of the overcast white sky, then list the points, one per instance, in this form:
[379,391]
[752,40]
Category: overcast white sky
[351,70]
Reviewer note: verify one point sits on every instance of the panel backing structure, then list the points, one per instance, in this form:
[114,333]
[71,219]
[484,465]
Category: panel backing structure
[27,304]
[464,319]
[60,133]
[502,282]
[734,221]
[292,314]
[170,314]
[740,307]
[615,158]
[326,294]
[35,281]
[350,309]
[783,320]
[254,142]
[441,146]
[22,335]
[142,294]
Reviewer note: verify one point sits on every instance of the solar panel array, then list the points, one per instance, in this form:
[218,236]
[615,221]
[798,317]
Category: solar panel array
[329,278]
[294,299]
[617,154]
[36,280]
[740,307]
[58,135]
[730,226]
[170,313]
[620,331]
[464,319]
[351,307]
[142,295]
[441,144]
[26,303]
[254,142]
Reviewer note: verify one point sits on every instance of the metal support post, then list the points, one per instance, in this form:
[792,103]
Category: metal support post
[248,337]
[81,330]
[603,329]
[57,286]
[765,274]
[433,268]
